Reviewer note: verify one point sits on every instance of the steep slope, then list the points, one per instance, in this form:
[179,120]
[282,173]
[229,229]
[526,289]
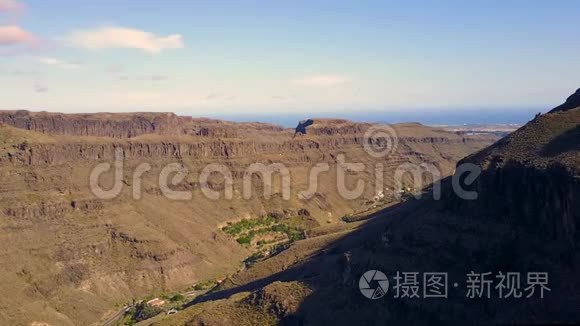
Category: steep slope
[72,258]
[525,219]
[572,102]
[531,176]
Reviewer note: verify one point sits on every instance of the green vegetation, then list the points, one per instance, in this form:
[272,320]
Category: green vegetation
[143,311]
[177,297]
[293,233]
[247,229]
[235,229]
[140,312]
[246,239]
[204,285]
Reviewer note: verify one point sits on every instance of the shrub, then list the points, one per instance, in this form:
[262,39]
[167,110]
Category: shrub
[177,297]
[246,239]
[144,311]
[204,285]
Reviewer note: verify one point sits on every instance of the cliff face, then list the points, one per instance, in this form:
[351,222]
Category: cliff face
[61,153]
[100,125]
[128,125]
[543,200]
[53,210]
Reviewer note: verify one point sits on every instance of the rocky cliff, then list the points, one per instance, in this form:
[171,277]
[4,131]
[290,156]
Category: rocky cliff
[532,177]
[118,125]
[100,125]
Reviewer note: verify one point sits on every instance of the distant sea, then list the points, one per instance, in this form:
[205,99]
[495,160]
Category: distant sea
[426,117]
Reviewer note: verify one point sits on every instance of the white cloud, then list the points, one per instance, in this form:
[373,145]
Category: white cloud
[10,5]
[14,35]
[59,63]
[113,37]
[321,80]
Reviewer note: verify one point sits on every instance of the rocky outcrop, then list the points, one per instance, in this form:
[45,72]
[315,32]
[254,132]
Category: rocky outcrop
[279,298]
[302,125]
[53,209]
[330,127]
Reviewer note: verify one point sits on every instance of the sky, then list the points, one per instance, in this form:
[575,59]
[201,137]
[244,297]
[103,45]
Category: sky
[232,58]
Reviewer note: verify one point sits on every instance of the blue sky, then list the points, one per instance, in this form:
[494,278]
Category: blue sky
[291,57]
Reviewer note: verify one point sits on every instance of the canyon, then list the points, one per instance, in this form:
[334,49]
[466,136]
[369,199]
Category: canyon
[525,219]
[70,257]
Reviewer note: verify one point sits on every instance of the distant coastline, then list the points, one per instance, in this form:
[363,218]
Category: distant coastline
[432,117]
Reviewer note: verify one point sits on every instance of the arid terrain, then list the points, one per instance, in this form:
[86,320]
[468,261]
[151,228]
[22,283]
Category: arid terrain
[525,219]
[293,163]
[70,257]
